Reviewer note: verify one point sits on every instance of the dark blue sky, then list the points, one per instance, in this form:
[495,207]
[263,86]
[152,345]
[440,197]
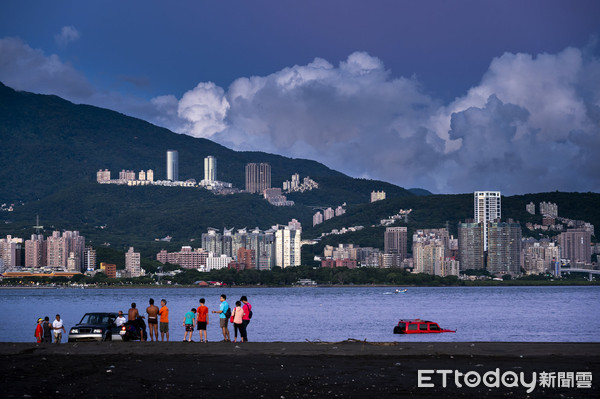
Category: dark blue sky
[123,55]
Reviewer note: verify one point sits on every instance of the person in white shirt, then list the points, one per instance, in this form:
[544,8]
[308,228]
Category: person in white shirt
[120,320]
[57,326]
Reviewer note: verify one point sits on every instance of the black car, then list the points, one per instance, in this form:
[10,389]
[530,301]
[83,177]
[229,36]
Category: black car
[95,327]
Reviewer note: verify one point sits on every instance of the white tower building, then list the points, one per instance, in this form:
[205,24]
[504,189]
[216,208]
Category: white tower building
[487,209]
[210,168]
[172,165]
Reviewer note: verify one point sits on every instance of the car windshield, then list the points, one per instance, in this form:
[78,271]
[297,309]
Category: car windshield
[95,318]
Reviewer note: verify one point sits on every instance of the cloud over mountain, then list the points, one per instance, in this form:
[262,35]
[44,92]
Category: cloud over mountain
[531,124]
[528,125]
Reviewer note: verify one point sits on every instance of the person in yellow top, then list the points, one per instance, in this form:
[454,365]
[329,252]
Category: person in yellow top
[164,320]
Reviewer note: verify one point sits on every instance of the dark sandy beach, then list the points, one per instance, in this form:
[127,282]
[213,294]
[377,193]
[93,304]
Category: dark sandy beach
[289,370]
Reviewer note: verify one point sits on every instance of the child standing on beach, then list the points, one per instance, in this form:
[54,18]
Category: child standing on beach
[202,320]
[237,315]
[188,323]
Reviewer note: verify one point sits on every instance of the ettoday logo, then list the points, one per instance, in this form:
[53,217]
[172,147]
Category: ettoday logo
[508,379]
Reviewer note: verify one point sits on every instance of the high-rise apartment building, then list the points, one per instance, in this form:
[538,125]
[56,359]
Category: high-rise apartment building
[35,251]
[549,209]
[487,209]
[539,256]
[504,247]
[211,241]
[432,252]
[317,218]
[262,243]
[210,168]
[59,248]
[258,177]
[10,251]
[187,258]
[89,259]
[246,257]
[133,263]
[150,175]
[470,246]
[287,244]
[328,214]
[172,165]
[575,245]
[530,208]
[395,242]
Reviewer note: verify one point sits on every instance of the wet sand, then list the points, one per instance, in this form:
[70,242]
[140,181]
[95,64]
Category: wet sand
[284,369]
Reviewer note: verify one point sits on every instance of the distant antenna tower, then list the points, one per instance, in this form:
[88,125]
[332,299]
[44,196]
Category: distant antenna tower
[37,226]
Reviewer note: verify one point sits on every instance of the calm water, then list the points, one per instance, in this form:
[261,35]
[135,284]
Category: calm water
[335,314]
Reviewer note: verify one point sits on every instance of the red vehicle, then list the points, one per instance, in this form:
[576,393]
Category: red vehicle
[418,326]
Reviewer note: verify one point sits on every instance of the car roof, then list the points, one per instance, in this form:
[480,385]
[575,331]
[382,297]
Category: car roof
[102,313]
[416,321]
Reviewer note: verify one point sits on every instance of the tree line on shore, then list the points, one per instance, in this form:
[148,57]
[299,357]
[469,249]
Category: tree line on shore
[291,275]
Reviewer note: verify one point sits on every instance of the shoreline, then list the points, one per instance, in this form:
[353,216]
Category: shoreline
[489,284]
[348,369]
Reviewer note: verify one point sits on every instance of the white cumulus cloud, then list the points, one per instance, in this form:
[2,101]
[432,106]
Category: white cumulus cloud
[204,109]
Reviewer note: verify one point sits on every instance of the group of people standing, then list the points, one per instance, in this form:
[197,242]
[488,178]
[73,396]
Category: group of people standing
[158,318]
[240,317]
[44,330]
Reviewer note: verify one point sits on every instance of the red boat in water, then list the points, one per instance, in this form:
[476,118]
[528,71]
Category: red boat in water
[418,326]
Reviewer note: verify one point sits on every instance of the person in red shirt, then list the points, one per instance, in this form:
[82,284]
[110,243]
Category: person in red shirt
[39,331]
[202,320]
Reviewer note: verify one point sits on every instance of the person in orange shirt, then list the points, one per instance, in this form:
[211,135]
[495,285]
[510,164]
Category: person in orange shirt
[164,320]
[202,320]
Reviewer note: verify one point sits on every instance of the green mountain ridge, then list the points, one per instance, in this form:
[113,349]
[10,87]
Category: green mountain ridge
[50,150]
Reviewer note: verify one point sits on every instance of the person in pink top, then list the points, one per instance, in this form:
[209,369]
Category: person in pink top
[237,316]
[246,319]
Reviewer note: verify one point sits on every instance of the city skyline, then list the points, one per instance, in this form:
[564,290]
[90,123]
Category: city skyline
[408,87]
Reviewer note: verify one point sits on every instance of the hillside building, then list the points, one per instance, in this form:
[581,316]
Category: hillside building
[258,177]
[172,165]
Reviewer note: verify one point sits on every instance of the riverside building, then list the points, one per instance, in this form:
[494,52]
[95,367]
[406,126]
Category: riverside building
[575,245]
[395,241]
[133,263]
[470,246]
[504,250]
[287,245]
